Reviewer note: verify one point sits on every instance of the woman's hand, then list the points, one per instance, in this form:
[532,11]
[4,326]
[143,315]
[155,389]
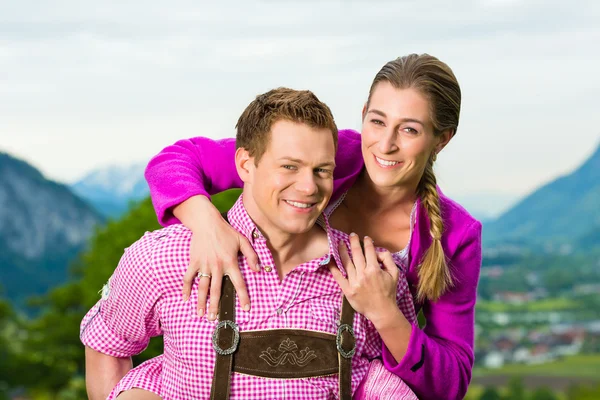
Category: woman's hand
[372,279]
[214,251]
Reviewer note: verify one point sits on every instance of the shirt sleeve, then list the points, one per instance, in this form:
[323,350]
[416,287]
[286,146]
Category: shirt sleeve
[203,166]
[123,321]
[439,359]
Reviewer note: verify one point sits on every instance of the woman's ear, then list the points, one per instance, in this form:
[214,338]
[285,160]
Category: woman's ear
[244,164]
[364,111]
[444,139]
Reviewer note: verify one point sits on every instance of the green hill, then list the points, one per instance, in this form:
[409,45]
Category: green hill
[562,211]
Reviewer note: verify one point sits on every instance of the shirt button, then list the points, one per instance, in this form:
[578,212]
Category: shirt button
[255,235]
[279,311]
[268,268]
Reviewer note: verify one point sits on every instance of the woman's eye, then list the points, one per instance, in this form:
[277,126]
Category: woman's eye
[410,130]
[377,122]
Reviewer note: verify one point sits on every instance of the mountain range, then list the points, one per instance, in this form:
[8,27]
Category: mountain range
[43,225]
[563,211]
[112,189]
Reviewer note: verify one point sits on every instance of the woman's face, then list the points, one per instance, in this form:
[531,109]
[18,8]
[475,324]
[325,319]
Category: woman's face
[397,136]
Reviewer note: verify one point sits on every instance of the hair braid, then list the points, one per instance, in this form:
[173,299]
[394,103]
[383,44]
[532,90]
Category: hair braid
[434,274]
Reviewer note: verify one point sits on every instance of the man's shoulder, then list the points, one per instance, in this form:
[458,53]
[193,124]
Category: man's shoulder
[160,247]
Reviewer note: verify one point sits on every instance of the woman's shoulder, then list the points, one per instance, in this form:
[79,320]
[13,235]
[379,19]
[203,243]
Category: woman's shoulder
[452,211]
[458,223]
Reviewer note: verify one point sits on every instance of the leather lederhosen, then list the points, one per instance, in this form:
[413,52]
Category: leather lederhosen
[280,353]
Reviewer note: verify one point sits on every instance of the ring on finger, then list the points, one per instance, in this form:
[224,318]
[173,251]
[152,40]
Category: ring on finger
[203,275]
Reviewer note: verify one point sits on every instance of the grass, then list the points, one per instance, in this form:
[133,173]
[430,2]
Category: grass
[573,366]
[556,304]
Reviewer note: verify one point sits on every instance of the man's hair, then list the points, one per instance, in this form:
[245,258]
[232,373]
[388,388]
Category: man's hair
[301,106]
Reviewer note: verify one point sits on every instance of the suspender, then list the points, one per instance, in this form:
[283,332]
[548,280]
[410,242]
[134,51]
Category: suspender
[226,339]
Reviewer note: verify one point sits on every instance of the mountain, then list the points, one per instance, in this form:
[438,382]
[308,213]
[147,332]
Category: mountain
[560,212]
[111,190]
[43,225]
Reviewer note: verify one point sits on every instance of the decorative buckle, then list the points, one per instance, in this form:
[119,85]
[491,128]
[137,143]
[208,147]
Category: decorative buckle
[338,341]
[236,337]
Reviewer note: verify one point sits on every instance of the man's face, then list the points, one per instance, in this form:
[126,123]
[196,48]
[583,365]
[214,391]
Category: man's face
[293,181]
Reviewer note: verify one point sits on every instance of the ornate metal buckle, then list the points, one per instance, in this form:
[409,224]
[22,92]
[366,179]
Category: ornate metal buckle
[236,337]
[338,341]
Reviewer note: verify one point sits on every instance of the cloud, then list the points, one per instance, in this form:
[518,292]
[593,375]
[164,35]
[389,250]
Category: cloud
[86,85]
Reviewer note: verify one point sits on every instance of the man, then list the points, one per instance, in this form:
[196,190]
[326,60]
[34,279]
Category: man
[286,143]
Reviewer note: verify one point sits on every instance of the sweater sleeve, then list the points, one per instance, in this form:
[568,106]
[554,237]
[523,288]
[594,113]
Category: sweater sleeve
[197,166]
[203,166]
[439,359]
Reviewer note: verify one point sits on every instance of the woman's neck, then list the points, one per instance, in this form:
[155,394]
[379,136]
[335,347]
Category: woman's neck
[381,199]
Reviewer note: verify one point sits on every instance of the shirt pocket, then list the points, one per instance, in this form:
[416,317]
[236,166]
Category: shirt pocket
[325,311]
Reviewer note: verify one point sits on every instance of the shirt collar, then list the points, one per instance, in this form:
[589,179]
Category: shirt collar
[240,220]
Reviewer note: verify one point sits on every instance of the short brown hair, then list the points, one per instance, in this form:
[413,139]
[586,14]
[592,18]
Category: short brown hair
[302,106]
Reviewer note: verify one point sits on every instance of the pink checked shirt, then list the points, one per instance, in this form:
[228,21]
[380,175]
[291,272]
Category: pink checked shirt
[143,299]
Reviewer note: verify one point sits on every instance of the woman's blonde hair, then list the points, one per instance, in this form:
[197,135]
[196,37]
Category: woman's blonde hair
[436,81]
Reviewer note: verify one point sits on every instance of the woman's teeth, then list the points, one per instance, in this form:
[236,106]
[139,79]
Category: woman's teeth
[385,162]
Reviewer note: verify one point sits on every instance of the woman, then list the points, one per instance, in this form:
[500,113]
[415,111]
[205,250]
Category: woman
[390,195]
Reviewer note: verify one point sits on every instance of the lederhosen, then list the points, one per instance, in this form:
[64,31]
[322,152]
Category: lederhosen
[280,353]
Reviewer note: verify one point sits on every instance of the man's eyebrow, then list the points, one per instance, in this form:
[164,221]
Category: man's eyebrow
[379,112]
[298,161]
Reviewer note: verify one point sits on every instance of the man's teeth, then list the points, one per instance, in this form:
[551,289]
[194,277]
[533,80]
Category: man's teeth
[385,162]
[299,205]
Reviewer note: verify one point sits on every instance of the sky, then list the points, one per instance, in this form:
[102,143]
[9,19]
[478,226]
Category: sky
[84,85]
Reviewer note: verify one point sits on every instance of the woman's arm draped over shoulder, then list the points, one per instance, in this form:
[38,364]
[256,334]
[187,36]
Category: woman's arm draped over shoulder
[439,359]
[203,166]
[197,166]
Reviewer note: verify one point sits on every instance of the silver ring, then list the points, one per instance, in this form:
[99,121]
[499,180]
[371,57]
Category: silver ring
[202,275]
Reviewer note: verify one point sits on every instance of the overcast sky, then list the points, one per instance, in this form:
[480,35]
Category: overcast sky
[87,84]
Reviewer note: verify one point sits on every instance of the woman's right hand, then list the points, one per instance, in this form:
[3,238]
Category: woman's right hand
[214,250]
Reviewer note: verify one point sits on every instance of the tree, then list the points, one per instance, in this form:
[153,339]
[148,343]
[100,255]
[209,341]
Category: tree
[490,393]
[515,389]
[55,356]
[543,393]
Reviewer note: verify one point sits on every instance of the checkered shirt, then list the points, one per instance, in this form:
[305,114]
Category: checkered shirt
[143,299]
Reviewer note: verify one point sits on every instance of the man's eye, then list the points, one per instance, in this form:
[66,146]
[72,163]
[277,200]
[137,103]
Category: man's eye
[323,171]
[290,167]
[377,122]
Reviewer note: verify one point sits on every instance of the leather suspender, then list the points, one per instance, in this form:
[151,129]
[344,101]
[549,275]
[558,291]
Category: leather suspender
[347,345]
[225,339]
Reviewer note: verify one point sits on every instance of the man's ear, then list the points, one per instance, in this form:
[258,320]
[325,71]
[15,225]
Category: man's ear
[364,111]
[244,164]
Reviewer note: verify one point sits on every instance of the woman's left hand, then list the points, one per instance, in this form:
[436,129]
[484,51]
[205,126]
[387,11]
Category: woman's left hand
[372,278]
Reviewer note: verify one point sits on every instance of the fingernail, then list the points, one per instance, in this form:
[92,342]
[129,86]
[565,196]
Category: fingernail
[352,234]
[212,316]
[246,307]
[201,312]
[257,266]
[185,298]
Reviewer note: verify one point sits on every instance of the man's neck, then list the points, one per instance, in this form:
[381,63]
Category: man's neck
[289,250]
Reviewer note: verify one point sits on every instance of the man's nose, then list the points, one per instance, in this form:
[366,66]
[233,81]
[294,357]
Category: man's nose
[306,183]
